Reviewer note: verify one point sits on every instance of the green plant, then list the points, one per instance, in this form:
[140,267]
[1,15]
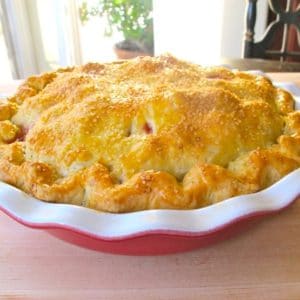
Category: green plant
[131,17]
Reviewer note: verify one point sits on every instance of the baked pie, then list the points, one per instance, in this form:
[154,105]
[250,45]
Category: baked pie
[147,133]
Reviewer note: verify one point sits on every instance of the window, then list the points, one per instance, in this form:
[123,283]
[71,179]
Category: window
[5,70]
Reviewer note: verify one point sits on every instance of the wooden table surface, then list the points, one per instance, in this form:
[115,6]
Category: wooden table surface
[261,64]
[261,263]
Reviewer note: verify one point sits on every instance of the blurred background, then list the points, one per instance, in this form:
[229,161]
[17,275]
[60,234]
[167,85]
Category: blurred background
[41,35]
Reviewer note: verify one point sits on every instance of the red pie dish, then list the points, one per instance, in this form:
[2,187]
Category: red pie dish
[148,164]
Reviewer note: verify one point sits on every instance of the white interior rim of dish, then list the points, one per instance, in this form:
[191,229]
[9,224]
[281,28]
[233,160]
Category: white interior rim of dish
[116,226]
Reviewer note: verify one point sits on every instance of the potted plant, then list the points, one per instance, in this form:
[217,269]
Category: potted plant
[131,17]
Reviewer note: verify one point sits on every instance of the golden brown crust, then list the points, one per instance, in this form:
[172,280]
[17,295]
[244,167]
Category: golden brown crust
[147,133]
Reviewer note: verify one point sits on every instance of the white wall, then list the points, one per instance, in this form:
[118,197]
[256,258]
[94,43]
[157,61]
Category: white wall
[202,31]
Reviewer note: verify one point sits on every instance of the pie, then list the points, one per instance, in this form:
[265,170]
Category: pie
[147,133]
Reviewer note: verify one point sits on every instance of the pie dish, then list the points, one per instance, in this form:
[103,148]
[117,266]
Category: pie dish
[149,133]
[152,231]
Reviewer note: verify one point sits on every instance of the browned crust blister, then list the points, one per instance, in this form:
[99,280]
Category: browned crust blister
[147,133]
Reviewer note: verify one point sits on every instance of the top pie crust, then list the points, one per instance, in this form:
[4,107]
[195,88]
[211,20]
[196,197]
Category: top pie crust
[147,133]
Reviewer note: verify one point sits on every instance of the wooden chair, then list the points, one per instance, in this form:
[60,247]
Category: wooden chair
[284,18]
